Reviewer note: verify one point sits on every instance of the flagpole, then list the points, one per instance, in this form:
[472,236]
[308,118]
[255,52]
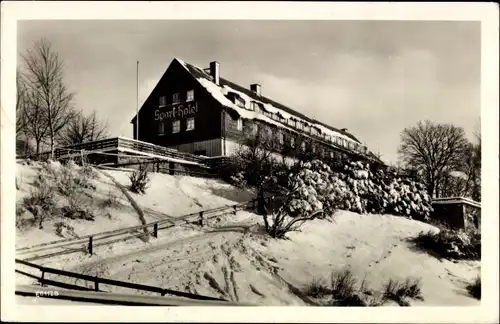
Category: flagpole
[137,104]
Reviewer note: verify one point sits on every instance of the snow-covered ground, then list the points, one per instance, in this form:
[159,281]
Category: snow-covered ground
[167,196]
[232,257]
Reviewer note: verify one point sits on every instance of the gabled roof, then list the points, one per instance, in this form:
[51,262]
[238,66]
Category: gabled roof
[200,73]
[220,92]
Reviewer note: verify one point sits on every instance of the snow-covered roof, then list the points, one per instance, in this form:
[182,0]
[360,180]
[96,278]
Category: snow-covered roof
[456,200]
[220,93]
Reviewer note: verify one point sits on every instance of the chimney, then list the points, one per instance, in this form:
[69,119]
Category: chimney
[255,88]
[215,71]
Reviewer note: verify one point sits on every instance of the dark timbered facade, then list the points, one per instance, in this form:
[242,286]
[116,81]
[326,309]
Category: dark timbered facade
[194,110]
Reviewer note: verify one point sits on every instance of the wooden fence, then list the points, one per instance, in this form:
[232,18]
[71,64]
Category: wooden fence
[88,243]
[98,282]
[120,144]
[108,298]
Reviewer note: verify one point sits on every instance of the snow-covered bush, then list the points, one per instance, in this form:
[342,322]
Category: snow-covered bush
[383,192]
[451,243]
[41,202]
[139,179]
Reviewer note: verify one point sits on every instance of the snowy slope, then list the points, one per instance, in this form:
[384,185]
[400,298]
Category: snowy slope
[167,196]
[235,260]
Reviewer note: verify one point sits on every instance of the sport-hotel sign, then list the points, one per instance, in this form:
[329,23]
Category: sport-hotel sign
[177,111]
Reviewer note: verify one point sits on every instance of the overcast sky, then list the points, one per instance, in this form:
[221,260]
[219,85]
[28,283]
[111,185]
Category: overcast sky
[373,77]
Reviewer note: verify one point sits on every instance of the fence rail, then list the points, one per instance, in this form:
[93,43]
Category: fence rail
[123,143]
[88,242]
[99,281]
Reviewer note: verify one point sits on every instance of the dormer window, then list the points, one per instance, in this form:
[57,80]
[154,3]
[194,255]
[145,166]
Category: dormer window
[255,107]
[307,128]
[239,102]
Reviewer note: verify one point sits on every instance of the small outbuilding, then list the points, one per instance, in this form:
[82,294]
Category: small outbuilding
[458,212]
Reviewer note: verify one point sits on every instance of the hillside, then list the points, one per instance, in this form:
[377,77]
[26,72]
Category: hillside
[232,257]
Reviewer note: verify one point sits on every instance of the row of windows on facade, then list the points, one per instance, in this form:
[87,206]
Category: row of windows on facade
[254,106]
[176,126]
[302,126]
[176,98]
[269,131]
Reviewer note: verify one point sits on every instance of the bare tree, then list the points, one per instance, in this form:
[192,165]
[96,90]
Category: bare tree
[36,126]
[45,81]
[83,128]
[22,138]
[433,149]
[20,105]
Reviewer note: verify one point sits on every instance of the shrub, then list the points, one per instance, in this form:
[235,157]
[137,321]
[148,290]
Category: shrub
[317,289]
[77,208]
[474,288]
[451,243]
[399,291]
[23,222]
[89,172]
[139,179]
[111,200]
[344,290]
[41,202]
[61,227]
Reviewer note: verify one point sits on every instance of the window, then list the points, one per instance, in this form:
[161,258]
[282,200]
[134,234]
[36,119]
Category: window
[281,138]
[240,102]
[161,128]
[269,133]
[314,131]
[190,95]
[255,107]
[176,126]
[239,124]
[303,146]
[331,155]
[254,128]
[292,141]
[300,125]
[175,98]
[163,101]
[307,128]
[190,124]
[313,148]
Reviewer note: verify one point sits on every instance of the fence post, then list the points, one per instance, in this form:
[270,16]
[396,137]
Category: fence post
[234,211]
[42,277]
[96,284]
[201,218]
[81,156]
[90,245]
[155,230]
